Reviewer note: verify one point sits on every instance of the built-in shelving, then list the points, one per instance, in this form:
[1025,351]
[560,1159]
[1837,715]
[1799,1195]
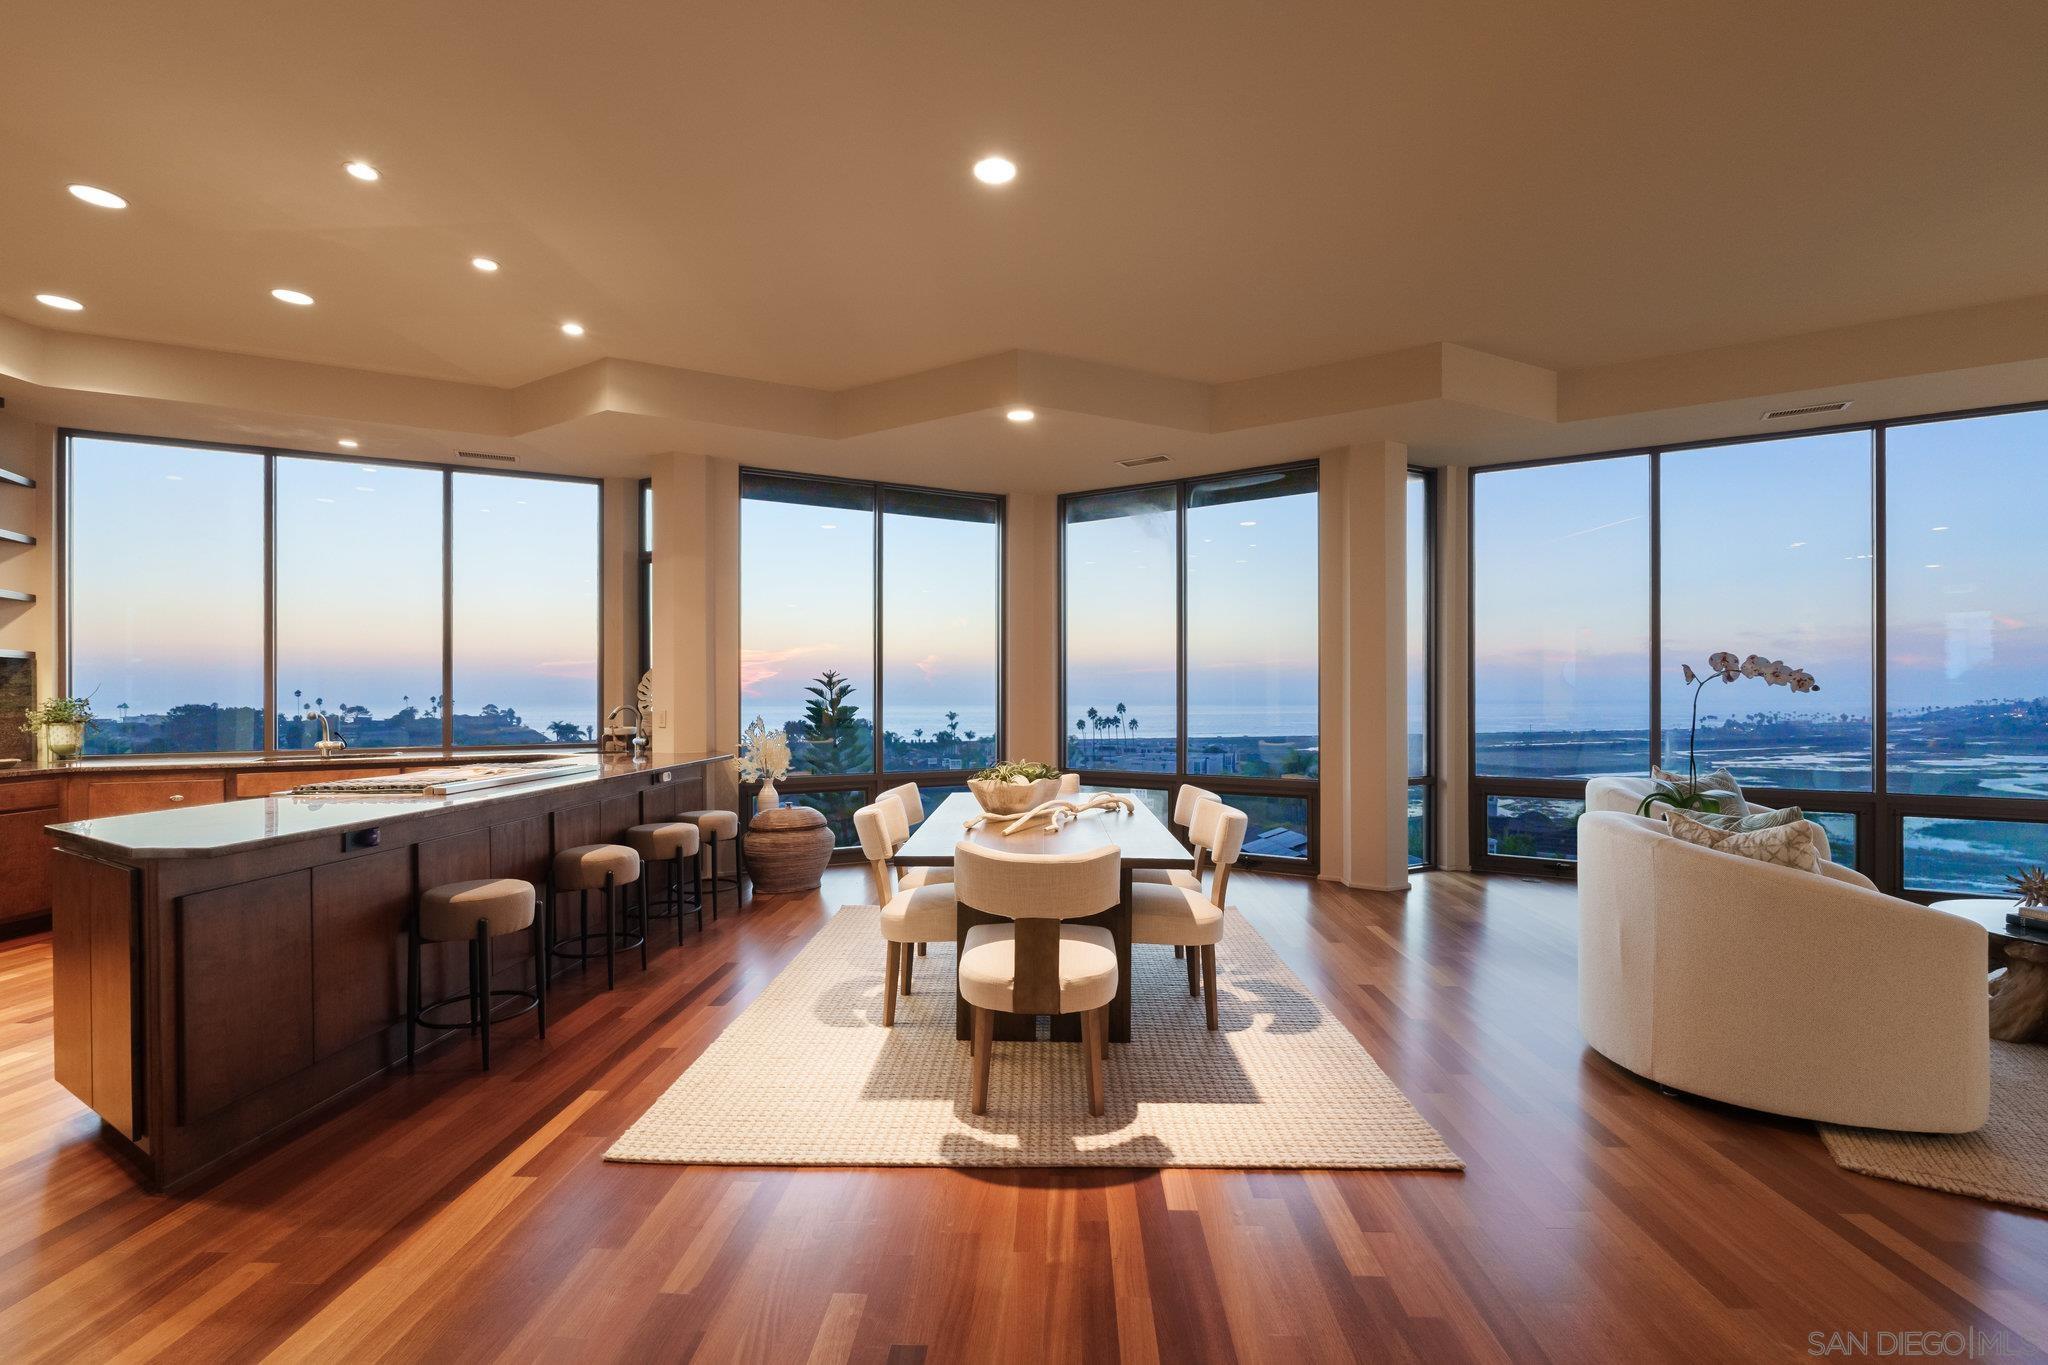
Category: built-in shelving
[16,595]
[17,654]
[17,537]
[9,476]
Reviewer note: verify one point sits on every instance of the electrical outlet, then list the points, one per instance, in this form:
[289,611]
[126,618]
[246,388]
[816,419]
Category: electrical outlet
[661,720]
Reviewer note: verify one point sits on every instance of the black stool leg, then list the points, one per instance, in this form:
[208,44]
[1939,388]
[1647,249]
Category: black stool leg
[540,975]
[697,889]
[481,986]
[583,927]
[611,932]
[412,986]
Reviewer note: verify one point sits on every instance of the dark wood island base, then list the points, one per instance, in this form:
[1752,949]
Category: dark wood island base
[223,971]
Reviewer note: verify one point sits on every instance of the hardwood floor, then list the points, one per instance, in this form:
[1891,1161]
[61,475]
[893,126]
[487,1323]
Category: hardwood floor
[450,1215]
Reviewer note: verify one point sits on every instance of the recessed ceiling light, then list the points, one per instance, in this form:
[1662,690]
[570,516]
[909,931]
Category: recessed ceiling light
[59,301]
[572,329]
[348,443]
[292,296]
[93,194]
[995,170]
[484,263]
[1020,414]
[362,170]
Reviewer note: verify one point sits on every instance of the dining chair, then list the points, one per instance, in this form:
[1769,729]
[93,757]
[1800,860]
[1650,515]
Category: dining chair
[1185,803]
[911,915]
[1182,916]
[1036,963]
[910,811]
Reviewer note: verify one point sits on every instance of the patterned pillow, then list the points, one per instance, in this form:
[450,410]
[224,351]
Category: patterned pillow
[1788,845]
[1749,824]
[1720,780]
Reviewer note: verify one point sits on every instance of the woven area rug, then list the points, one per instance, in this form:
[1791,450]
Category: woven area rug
[2005,1160]
[807,1076]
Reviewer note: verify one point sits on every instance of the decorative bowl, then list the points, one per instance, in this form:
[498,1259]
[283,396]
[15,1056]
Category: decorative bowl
[1013,798]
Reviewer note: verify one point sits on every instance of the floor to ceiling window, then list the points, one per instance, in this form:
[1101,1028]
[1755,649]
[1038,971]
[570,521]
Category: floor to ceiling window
[870,634]
[397,636]
[1421,584]
[1561,647]
[1894,561]
[1190,645]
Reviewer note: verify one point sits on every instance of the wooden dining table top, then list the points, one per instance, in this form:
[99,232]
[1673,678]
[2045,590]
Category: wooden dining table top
[1140,837]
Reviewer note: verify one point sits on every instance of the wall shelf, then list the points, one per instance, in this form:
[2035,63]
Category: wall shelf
[17,654]
[16,595]
[17,537]
[9,476]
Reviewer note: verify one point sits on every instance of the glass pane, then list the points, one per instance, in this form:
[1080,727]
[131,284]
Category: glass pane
[1418,625]
[1841,828]
[164,586]
[1278,825]
[941,616]
[1767,550]
[1561,619]
[1967,588]
[1252,625]
[1533,827]
[1971,857]
[647,518]
[525,610]
[807,618]
[839,807]
[1153,799]
[1418,826]
[1121,634]
[358,631]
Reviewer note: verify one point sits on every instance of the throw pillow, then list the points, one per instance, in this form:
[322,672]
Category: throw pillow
[1749,824]
[1718,781]
[1790,845]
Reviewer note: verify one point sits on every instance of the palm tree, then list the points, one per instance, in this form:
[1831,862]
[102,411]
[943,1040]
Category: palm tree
[1119,717]
[1095,721]
[917,735]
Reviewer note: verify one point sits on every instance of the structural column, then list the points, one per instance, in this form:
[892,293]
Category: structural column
[1364,666]
[696,634]
[1032,727]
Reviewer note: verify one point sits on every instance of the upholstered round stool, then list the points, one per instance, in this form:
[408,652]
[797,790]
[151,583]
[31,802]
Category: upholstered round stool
[669,843]
[598,867]
[476,912]
[718,828]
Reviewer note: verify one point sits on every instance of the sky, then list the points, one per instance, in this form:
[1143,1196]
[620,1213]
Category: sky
[1767,549]
[166,583]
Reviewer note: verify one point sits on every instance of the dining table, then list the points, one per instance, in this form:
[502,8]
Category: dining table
[1142,840]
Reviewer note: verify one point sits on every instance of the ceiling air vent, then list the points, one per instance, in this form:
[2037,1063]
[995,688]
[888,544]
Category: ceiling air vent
[1806,411]
[1144,460]
[486,455]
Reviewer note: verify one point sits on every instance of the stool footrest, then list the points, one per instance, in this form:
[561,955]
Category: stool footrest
[582,951]
[529,1001]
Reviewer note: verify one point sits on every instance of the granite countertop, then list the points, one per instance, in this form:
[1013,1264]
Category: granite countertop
[145,763]
[205,831]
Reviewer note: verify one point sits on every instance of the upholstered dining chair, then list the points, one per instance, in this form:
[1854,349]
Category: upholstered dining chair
[910,811]
[911,915]
[1036,963]
[1185,802]
[1182,916]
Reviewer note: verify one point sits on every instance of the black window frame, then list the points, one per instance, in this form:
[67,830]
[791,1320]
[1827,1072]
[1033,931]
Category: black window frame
[67,504]
[1880,814]
[1429,782]
[1305,789]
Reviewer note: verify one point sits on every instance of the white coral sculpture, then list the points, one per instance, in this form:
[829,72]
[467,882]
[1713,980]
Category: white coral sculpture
[1057,815]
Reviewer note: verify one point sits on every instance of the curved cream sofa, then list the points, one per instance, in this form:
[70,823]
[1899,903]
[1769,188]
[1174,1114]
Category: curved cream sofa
[1812,996]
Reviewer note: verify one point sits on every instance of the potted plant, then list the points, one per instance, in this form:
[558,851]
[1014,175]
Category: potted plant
[763,758]
[62,722]
[1013,788]
[1720,665]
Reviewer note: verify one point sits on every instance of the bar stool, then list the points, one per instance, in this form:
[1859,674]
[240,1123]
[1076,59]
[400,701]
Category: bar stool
[598,867]
[670,843]
[716,827]
[477,911]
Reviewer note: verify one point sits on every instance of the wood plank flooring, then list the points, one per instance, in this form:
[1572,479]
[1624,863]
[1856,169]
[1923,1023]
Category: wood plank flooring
[453,1216]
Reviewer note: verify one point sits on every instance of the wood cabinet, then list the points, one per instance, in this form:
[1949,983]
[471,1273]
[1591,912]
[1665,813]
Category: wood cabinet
[110,796]
[25,808]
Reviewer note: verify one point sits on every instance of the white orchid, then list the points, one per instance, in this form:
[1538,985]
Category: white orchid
[1721,664]
[764,753]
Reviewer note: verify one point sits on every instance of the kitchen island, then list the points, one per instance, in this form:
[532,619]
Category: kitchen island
[221,971]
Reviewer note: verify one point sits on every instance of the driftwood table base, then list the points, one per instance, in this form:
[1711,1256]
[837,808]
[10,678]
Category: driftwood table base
[2019,999]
